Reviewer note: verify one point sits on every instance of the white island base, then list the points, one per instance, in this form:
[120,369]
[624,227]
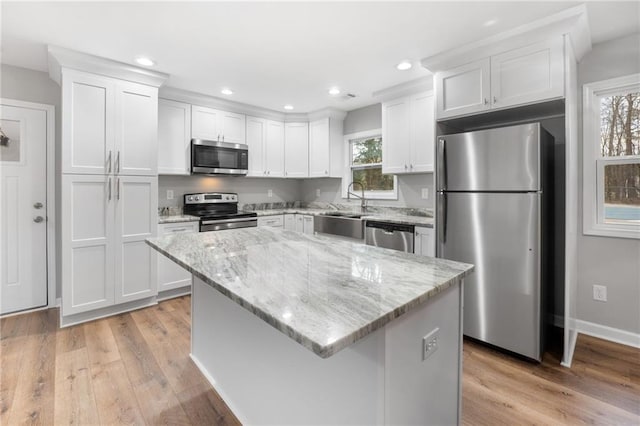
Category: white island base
[267,378]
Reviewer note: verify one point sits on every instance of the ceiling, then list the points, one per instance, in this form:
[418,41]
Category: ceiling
[271,54]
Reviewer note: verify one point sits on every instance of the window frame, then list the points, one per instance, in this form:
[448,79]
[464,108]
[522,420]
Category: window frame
[348,168]
[594,162]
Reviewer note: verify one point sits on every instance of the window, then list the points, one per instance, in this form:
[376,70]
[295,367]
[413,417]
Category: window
[611,147]
[364,165]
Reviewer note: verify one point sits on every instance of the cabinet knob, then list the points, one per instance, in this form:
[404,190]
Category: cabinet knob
[495,100]
[38,219]
[38,205]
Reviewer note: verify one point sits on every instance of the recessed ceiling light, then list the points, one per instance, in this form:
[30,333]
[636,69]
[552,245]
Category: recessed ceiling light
[334,91]
[144,61]
[226,91]
[288,107]
[404,65]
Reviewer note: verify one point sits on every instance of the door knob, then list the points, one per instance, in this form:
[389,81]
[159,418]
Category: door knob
[38,205]
[38,219]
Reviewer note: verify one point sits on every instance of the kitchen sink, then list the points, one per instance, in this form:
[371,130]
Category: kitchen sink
[343,224]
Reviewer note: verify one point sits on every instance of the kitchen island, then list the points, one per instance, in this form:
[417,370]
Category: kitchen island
[302,329]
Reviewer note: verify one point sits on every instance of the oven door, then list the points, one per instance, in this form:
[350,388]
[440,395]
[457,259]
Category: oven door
[212,157]
[222,224]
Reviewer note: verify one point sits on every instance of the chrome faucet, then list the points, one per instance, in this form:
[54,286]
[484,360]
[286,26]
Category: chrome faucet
[363,200]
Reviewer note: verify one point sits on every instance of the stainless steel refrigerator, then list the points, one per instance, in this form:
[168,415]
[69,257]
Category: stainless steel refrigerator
[491,212]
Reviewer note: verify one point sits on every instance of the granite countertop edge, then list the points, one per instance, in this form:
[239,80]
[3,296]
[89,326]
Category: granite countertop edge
[401,219]
[323,351]
[177,218]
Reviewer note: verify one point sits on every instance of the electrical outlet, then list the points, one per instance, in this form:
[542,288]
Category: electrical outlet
[169,194]
[600,293]
[430,343]
[425,193]
[269,193]
[318,192]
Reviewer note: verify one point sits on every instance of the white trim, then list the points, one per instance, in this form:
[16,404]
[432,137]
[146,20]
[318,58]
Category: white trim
[50,111]
[569,351]
[346,174]
[611,334]
[422,84]
[591,225]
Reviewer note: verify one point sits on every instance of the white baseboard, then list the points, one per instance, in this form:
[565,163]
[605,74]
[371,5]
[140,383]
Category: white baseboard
[608,333]
[58,302]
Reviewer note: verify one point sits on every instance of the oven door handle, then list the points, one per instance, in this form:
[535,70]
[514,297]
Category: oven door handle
[222,221]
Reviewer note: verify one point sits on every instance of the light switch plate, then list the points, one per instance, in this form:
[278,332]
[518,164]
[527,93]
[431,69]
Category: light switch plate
[600,293]
[425,193]
[269,193]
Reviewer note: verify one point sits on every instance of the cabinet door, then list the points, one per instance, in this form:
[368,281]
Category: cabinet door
[299,223]
[290,222]
[87,123]
[276,221]
[274,154]
[256,140]
[174,135]
[529,74]
[170,274]
[136,129]
[319,148]
[136,219]
[422,133]
[296,150]
[396,135]
[232,127]
[307,224]
[204,123]
[463,90]
[425,241]
[87,243]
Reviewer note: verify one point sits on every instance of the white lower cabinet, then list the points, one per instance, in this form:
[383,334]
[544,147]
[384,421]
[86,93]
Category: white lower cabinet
[171,275]
[105,221]
[275,221]
[290,222]
[304,223]
[425,241]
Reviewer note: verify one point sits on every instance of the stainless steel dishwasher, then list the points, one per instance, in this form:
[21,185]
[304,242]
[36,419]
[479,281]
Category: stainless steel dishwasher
[389,235]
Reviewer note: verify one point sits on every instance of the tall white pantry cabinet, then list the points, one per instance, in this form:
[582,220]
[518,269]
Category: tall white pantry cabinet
[109,194]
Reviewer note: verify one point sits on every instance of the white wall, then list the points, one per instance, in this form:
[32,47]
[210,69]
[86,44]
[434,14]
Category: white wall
[409,186]
[614,262]
[250,190]
[35,86]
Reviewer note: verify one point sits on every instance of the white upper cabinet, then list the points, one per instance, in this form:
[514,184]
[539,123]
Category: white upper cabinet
[256,134]
[408,134]
[136,134]
[520,76]
[109,126]
[296,150]
[174,136]
[87,133]
[274,149]
[529,74]
[325,148]
[215,125]
[464,89]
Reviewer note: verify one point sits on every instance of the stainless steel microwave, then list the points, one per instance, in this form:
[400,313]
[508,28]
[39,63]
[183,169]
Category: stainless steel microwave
[219,158]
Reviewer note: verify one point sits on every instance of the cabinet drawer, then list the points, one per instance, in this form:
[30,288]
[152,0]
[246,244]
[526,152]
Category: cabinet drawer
[177,228]
[276,221]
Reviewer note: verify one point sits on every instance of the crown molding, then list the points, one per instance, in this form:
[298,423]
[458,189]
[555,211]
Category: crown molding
[328,112]
[572,21]
[422,84]
[59,57]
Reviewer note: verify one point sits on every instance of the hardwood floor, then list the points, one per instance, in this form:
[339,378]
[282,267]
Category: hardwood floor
[135,368]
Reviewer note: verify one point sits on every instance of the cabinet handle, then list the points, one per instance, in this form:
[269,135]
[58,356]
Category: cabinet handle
[223,137]
[405,167]
[269,172]
[411,166]
[118,162]
[218,137]
[109,187]
[178,230]
[118,189]
[495,100]
[285,173]
[326,172]
[486,101]
[109,162]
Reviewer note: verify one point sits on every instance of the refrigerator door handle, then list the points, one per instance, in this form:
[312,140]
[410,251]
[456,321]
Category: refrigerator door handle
[442,165]
[442,214]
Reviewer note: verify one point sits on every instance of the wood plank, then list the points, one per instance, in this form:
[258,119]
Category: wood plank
[11,363]
[101,345]
[116,400]
[158,403]
[70,339]
[204,406]
[75,402]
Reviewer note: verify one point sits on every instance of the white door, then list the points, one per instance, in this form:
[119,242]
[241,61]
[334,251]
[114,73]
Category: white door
[274,154]
[232,127]
[204,123]
[396,134]
[136,219]
[296,150]
[319,149]
[136,132]
[256,134]
[23,205]
[464,89]
[422,133]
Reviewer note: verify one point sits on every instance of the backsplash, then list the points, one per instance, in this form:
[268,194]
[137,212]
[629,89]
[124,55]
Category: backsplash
[318,205]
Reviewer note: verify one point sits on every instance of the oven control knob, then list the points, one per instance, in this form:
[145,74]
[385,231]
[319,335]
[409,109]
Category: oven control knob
[190,198]
[197,198]
[226,198]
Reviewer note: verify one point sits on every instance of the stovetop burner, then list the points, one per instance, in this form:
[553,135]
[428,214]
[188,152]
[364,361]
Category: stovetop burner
[218,211]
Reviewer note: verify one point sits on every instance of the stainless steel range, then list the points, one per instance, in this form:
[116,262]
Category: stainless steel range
[218,211]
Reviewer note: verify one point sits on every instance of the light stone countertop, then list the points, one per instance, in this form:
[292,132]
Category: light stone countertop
[177,218]
[393,218]
[321,292]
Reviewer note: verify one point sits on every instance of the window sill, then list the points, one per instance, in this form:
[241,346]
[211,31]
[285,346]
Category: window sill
[613,231]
